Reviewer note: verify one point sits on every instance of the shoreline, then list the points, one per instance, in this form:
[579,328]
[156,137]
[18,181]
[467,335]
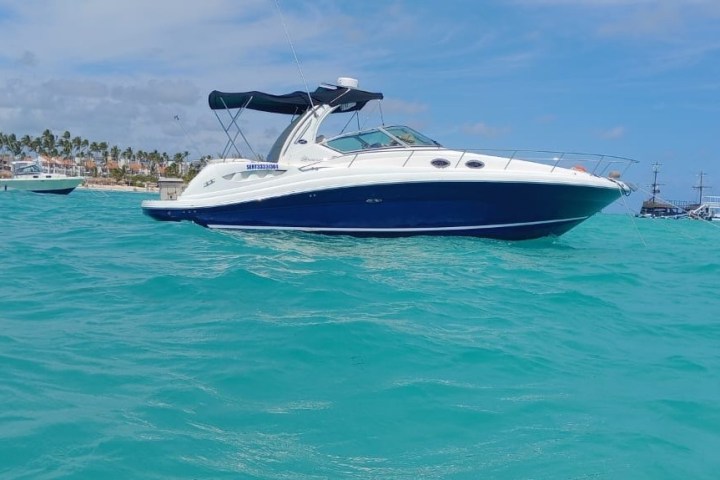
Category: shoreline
[118,188]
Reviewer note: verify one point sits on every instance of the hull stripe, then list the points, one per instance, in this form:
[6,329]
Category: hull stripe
[390,230]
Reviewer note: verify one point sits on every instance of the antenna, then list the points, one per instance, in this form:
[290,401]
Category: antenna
[282,20]
[187,137]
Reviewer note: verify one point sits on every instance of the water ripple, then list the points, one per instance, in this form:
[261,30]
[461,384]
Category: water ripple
[137,349]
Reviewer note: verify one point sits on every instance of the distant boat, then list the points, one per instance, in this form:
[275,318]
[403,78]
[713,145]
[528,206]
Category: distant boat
[659,209]
[654,207]
[28,175]
[709,209]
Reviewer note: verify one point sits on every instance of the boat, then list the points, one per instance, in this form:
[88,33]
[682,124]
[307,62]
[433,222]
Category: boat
[709,209]
[29,175]
[382,181]
[655,207]
[661,209]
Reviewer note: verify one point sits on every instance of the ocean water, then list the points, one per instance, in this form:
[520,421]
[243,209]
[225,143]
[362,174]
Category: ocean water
[131,348]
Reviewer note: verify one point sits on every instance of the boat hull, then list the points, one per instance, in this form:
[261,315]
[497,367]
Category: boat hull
[500,210]
[57,186]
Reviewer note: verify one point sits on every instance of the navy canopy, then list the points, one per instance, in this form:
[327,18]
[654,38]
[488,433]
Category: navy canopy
[294,103]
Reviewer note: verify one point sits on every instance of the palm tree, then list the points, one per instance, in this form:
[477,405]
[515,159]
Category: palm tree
[103,146]
[63,144]
[14,145]
[27,142]
[48,142]
[66,147]
[172,170]
[84,144]
[76,144]
[36,145]
[119,174]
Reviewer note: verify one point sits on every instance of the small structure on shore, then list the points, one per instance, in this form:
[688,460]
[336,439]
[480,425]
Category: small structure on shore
[170,188]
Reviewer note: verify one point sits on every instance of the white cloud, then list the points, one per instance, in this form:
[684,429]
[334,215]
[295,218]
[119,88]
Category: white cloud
[484,130]
[613,133]
[393,105]
[658,19]
[27,59]
[153,91]
[548,118]
[74,88]
[120,70]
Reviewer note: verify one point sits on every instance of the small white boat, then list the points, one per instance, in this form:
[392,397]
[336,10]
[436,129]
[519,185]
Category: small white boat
[384,181]
[28,175]
[708,210]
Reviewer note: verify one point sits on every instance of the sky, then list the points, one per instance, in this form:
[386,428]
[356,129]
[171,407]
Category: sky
[631,78]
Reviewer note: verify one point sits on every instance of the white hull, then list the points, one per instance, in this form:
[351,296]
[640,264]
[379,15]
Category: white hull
[50,184]
[233,181]
[395,196]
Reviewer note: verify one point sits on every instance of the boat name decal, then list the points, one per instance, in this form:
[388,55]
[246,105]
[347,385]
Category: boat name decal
[261,166]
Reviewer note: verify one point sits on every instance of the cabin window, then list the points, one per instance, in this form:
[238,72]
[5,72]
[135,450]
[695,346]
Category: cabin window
[474,164]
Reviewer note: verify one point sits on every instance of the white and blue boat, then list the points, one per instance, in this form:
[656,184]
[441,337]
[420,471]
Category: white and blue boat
[385,181]
[29,175]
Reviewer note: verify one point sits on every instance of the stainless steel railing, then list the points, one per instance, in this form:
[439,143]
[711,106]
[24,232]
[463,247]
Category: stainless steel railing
[593,163]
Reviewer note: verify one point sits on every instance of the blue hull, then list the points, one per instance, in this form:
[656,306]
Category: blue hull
[63,191]
[512,211]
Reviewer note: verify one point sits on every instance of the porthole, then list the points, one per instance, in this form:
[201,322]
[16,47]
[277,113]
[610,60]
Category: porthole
[440,163]
[474,164]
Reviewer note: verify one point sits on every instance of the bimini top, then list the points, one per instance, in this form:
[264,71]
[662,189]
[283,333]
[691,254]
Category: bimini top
[349,99]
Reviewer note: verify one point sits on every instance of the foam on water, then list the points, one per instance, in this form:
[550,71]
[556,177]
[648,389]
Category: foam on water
[137,349]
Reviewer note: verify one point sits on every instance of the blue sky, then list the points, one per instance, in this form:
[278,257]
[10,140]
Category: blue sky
[633,78]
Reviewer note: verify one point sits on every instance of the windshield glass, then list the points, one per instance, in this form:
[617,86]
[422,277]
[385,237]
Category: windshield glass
[398,136]
[362,141]
[410,136]
[27,169]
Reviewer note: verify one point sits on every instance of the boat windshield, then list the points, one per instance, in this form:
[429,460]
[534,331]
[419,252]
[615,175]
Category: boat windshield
[386,137]
[27,169]
[411,137]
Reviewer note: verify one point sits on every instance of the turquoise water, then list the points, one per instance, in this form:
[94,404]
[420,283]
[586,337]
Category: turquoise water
[137,349]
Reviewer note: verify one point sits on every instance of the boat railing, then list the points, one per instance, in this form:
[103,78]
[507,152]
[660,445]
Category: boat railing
[712,201]
[593,163]
[684,205]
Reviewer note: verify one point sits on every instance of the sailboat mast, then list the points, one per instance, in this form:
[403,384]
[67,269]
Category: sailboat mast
[655,189]
[701,187]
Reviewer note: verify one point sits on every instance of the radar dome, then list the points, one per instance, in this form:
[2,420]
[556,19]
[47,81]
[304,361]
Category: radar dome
[347,82]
